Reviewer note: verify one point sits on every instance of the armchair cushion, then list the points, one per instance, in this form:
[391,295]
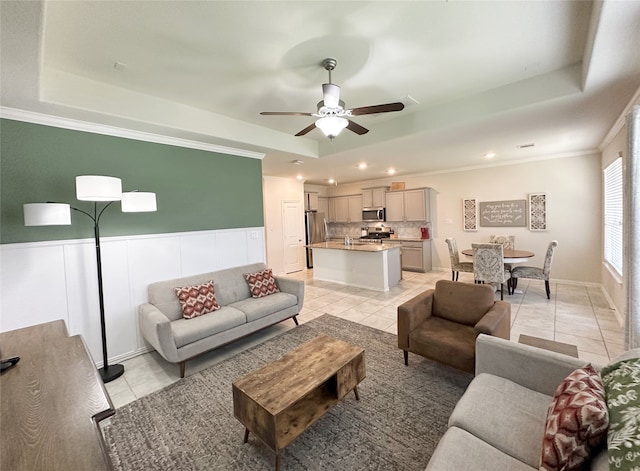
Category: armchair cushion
[439,338]
[464,303]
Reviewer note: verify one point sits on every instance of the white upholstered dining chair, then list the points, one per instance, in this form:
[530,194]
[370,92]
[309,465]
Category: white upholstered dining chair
[508,242]
[488,266]
[535,273]
[456,265]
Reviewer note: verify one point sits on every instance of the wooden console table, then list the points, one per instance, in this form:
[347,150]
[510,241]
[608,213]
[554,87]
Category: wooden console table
[283,398]
[51,402]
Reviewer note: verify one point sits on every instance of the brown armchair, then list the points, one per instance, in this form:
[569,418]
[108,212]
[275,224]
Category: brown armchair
[443,324]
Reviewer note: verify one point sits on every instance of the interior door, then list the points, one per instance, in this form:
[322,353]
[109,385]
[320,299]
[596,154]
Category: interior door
[293,235]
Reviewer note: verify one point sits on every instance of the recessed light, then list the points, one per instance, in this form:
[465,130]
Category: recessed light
[362,166]
[331,181]
[299,177]
[391,171]
[297,162]
[490,155]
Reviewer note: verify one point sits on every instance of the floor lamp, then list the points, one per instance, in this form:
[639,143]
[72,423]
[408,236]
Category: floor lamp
[97,189]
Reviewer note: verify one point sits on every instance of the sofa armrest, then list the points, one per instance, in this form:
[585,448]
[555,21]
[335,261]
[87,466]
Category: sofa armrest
[411,314]
[531,367]
[155,327]
[291,286]
[497,321]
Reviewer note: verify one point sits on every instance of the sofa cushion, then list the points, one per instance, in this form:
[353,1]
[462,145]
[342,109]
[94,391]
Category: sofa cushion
[577,421]
[621,381]
[261,283]
[458,450]
[464,303]
[255,308]
[504,414]
[197,300]
[445,341]
[230,284]
[186,331]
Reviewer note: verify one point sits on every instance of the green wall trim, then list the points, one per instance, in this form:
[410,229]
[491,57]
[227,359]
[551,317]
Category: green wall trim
[195,189]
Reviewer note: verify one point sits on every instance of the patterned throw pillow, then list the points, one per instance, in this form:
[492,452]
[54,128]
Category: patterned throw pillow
[197,300]
[577,421]
[262,283]
[622,386]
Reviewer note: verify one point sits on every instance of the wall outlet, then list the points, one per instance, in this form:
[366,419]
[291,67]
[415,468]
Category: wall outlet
[448,221]
[254,234]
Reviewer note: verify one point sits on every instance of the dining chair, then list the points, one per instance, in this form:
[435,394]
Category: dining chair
[488,265]
[456,265]
[508,242]
[535,273]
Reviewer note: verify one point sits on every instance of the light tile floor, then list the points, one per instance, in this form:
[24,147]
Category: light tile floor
[575,314]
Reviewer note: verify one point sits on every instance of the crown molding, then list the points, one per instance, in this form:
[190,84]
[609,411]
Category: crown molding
[85,126]
[621,121]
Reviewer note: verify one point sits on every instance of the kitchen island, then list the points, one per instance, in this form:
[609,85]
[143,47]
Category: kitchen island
[364,265]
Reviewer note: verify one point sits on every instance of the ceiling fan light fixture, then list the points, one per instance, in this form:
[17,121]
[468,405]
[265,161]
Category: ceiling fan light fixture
[331,126]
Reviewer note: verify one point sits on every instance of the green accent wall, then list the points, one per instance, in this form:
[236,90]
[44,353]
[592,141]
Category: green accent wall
[196,190]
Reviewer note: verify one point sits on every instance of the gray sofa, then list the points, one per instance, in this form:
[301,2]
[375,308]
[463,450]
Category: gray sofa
[498,424]
[178,339]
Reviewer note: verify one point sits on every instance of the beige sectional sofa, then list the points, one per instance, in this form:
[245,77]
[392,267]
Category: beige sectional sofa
[499,422]
[178,339]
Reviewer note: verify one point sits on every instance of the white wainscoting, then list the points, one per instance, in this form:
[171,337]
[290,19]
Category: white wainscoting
[45,281]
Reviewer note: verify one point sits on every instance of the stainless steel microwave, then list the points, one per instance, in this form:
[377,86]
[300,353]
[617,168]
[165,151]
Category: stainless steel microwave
[374,214]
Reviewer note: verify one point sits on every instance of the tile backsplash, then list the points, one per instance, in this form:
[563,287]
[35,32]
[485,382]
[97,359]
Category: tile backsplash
[404,230]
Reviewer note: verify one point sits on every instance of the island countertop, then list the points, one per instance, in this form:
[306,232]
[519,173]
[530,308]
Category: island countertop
[355,246]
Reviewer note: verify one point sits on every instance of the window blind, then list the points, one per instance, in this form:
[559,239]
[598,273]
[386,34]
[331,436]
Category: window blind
[613,215]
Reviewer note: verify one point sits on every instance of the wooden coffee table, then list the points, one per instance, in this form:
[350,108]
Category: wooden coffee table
[283,398]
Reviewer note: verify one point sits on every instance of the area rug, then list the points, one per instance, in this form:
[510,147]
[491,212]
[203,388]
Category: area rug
[396,424]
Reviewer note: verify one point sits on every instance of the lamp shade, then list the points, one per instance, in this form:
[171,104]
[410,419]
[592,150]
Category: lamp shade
[138,202]
[98,188]
[46,214]
[332,125]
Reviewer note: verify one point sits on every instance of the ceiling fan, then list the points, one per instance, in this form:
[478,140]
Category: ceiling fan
[332,115]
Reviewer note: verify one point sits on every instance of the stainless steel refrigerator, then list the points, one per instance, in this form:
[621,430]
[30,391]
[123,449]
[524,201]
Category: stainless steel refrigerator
[315,231]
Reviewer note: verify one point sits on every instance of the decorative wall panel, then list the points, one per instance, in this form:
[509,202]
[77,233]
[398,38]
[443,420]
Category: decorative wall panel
[537,212]
[470,214]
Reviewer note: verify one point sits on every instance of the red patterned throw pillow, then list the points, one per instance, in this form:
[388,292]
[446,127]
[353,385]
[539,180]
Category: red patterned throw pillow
[577,421]
[197,300]
[262,283]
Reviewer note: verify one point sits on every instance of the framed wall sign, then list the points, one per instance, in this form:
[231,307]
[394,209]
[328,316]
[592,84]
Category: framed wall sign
[470,214]
[537,211]
[508,213]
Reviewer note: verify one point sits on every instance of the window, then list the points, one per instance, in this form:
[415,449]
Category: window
[613,215]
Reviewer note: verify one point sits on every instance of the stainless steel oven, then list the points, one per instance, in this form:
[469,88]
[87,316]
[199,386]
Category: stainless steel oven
[374,215]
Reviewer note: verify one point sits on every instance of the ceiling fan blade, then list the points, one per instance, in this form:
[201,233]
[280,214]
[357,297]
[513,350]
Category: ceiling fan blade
[397,106]
[331,95]
[284,113]
[311,127]
[355,127]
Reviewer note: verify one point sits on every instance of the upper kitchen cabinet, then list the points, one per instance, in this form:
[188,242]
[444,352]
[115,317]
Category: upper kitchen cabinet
[374,197]
[311,201]
[408,205]
[323,206]
[348,208]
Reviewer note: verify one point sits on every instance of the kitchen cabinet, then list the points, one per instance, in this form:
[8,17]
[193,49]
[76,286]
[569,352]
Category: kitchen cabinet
[374,197]
[408,205]
[415,255]
[311,201]
[331,212]
[323,206]
[348,208]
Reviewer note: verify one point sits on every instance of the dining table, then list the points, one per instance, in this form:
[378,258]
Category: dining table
[510,255]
